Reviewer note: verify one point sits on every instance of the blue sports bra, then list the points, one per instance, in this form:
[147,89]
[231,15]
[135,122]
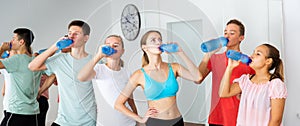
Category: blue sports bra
[157,90]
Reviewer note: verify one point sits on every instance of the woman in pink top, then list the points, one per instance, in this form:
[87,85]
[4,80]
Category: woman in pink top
[263,94]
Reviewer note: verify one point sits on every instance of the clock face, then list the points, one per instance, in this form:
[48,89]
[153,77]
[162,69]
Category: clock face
[130,22]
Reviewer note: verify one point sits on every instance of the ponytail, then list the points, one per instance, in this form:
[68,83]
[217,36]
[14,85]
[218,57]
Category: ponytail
[145,59]
[278,73]
[121,63]
[276,62]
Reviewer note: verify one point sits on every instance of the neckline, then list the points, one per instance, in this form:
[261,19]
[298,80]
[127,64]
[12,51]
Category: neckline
[106,67]
[156,80]
[258,84]
[74,59]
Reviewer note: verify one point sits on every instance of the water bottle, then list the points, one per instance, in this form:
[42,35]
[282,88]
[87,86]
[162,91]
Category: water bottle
[64,43]
[107,50]
[10,46]
[235,55]
[5,54]
[170,48]
[41,51]
[214,44]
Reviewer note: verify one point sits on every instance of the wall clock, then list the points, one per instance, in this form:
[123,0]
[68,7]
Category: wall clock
[130,22]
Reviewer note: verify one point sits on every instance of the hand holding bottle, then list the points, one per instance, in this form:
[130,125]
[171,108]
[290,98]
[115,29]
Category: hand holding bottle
[233,63]
[64,42]
[6,46]
[5,54]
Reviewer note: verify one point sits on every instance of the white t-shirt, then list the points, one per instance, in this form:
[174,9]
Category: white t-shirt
[110,84]
[7,87]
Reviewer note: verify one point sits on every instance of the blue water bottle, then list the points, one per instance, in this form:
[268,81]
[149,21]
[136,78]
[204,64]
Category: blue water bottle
[235,55]
[107,50]
[214,44]
[64,43]
[41,51]
[10,46]
[170,48]
[5,54]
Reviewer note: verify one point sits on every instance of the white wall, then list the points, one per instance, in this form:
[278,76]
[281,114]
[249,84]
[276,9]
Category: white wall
[49,20]
[291,8]
[255,14]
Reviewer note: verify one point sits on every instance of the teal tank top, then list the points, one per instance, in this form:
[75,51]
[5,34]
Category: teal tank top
[157,90]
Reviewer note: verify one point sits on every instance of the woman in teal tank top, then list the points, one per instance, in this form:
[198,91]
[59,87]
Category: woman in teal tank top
[158,79]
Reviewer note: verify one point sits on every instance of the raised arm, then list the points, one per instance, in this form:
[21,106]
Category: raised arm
[227,90]
[203,67]
[4,46]
[204,71]
[38,63]
[277,107]
[88,72]
[191,72]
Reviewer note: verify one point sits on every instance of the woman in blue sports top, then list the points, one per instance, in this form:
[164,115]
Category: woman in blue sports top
[158,79]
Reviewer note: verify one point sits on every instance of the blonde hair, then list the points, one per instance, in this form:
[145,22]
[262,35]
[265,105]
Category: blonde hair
[117,36]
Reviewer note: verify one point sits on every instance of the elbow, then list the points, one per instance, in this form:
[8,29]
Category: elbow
[199,80]
[32,67]
[275,122]
[83,78]
[86,76]
[221,95]
[117,106]
[80,78]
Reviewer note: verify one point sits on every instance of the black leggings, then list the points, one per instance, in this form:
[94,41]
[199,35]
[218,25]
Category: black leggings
[11,119]
[215,125]
[54,124]
[44,106]
[160,122]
